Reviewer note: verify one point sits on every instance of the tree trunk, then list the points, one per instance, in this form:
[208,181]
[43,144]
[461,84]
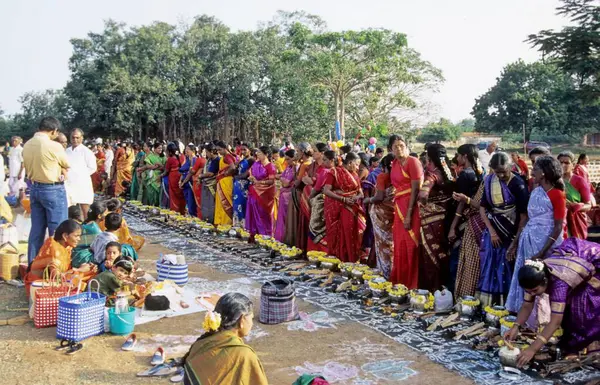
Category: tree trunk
[336,102]
[342,113]
[225,120]
[256,132]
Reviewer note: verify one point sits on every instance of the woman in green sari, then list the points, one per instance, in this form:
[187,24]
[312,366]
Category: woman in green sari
[90,229]
[136,186]
[151,174]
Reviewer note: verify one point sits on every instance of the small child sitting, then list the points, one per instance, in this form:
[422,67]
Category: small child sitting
[113,224]
[113,251]
[112,280]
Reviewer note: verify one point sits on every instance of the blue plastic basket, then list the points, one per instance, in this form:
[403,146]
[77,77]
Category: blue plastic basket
[81,316]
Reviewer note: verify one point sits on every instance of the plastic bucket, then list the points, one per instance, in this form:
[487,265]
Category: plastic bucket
[122,323]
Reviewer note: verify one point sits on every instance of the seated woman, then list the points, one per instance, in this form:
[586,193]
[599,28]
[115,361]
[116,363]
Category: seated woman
[571,277]
[55,255]
[220,356]
[124,235]
[90,229]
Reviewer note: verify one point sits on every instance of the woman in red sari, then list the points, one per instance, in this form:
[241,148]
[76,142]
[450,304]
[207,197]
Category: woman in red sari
[406,177]
[174,162]
[344,214]
[97,176]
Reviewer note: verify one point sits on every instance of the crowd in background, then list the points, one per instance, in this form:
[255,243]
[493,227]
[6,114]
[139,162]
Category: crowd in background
[476,223]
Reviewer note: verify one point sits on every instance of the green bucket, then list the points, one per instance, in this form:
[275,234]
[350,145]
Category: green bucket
[122,323]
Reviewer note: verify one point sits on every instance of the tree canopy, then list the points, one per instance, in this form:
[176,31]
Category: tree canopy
[538,97]
[290,77]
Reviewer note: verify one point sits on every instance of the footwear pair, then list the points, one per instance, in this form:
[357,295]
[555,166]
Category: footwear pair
[72,347]
[159,356]
[169,368]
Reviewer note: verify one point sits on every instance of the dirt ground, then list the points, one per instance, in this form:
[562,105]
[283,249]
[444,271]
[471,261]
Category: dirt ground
[349,352]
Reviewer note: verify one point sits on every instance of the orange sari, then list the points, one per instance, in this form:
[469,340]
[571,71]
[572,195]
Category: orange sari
[54,255]
[124,162]
[97,176]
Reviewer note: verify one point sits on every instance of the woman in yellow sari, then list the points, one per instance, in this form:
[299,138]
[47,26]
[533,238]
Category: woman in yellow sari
[124,164]
[55,255]
[224,198]
[220,356]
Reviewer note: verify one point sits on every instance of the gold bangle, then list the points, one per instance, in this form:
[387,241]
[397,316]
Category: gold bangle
[543,339]
[458,215]
[468,201]
[554,239]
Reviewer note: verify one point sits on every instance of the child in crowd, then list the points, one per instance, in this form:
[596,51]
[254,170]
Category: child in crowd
[112,280]
[124,235]
[113,251]
[112,224]
[374,163]
[76,214]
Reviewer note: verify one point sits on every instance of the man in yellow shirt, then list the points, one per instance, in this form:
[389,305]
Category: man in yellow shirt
[45,164]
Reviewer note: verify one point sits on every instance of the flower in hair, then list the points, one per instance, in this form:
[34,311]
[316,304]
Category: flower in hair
[537,264]
[212,321]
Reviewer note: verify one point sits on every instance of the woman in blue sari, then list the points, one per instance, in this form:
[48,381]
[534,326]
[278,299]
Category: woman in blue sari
[240,186]
[165,201]
[503,210]
[547,212]
[185,183]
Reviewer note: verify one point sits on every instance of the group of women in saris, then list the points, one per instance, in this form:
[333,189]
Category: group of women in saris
[422,225]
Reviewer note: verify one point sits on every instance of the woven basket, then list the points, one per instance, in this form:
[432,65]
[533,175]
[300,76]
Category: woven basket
[9,261]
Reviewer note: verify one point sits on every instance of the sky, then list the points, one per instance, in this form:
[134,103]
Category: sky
[469,40]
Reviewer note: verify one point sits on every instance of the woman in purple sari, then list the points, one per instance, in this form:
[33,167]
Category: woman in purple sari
[261,195]
[285,193]
[503,209]
[571,277]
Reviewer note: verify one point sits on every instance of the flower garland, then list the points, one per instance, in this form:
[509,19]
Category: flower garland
[333,260]
[427,299]
[398,290]
[470,302]
[497,313]
[380,285]
[506,323]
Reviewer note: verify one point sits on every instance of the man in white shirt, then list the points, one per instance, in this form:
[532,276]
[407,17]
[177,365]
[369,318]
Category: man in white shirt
[485,155]
[83,165]
[16,171]
[110,156]
[3,187]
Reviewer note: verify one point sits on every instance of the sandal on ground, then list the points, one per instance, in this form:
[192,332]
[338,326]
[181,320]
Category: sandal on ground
[74,348]
[129,342]
[159,357]
[178,377]
[162,370]
[63,345]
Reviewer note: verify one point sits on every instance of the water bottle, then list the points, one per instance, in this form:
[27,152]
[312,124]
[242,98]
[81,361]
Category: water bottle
[121,303]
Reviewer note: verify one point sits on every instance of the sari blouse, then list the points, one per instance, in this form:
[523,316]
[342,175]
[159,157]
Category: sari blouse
[467,183]
[228,160]
[383,181]
[402,175]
